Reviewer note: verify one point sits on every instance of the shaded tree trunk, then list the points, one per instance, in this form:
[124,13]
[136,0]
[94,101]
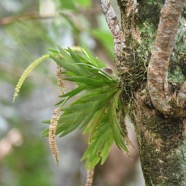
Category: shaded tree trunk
[157,114]
[162,144]
[144,45]
[159,107]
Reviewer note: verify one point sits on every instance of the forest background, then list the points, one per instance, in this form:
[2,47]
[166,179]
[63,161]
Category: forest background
[28,29]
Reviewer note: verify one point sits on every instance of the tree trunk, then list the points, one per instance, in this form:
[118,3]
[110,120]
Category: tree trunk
[162,144]
[157,111]
[155,102]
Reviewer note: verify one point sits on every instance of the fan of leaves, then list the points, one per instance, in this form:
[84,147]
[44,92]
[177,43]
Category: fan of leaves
[95,107]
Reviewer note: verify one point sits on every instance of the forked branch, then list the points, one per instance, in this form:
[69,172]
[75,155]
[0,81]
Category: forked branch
[158,86]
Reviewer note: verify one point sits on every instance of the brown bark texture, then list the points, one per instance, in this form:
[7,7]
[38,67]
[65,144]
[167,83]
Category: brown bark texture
[167,102]
[158,109]
[162,144]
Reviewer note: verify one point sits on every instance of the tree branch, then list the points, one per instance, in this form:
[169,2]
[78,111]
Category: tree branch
[115,28]
[36,16]
[158,85]
[30,16]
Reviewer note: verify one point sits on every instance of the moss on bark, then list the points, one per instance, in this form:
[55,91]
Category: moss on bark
[161,144]
[161,138]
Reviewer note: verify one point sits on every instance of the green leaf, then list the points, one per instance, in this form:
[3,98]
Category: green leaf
[95,61]
[92,111]
[84,3]
[94,161]
[70,124]
[78,107]
[79,61]
[95,96]
[85,80]
[117,132]
[105,151]
[94,122]
[95,108]
[46,121]
[73,4]
[74,92]
[106,40]
[63,63]
[66,4]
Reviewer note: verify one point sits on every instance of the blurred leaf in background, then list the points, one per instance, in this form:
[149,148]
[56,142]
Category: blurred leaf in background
[28,29]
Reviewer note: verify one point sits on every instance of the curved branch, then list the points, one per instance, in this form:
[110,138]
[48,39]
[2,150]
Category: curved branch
[158,85]
[30,16]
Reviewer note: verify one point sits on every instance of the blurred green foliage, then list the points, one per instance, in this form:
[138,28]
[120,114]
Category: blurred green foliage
[28,164]
[23,39]
[73,4]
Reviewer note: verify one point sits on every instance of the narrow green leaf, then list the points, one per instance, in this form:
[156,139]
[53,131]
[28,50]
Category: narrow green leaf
[72,58]
[74,91]
[88,153]
[65,127]
[102,130]
[69,117]
[62,102]
[79,107]
[67,66]
[105,151]
[94,161]
[77,60]
[93,60]
[86,80]
[92,111]
[45,133]
[117,132]
[94,121]
[95,96]
[84,3]
[46,121]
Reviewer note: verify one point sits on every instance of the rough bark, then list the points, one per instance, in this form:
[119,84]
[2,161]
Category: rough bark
[158,110]
[162,98]
[162,144]
[115,28]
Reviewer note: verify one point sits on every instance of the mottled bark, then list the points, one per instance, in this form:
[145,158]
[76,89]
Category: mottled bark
[167,102]
[162,144]
[158,110]
[128,10]
[115,28]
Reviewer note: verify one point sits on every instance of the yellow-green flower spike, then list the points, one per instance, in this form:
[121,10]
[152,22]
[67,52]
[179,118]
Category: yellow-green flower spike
[27,72]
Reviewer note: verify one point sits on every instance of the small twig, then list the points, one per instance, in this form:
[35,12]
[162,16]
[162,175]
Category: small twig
[30,16]
[35,16]
[115,28]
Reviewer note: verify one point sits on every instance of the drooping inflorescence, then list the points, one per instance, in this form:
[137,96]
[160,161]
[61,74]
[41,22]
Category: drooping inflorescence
[89,179]
[52,134]
[60,79]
